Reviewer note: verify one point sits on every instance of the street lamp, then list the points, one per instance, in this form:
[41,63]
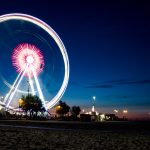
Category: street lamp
[125,111]
[93,107]
[94,97]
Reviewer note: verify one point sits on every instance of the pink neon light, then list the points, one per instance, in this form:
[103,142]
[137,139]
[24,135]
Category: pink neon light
[29,54]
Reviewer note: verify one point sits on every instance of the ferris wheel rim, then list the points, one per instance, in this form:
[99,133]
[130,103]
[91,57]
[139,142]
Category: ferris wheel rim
[58,41]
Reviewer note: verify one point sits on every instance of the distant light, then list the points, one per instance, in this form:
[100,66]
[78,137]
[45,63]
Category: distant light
[93,109]
[116,111]
[94,97]
[90,112]
[102,117]
[97,113]
[21,101]
[125,111]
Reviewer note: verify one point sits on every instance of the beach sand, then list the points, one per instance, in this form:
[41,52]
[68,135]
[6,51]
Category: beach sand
[12,138]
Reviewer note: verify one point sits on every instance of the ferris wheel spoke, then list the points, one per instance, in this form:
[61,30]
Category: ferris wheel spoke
[13,86]
[31,84]
[16,87]
[38,87]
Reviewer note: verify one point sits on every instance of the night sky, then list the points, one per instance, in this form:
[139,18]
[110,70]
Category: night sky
[108,44]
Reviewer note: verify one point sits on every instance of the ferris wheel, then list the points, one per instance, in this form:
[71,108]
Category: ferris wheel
[35,57]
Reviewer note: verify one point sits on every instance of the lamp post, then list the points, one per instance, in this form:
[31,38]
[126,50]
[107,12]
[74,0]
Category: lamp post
[93,107]
[125,111]
[93,113]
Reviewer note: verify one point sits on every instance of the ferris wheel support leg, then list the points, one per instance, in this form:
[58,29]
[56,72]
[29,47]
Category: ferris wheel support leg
[31,84]
[11,90]
[39,88]
[13,93]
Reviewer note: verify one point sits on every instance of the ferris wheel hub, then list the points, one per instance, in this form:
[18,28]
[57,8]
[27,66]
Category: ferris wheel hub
[30,59]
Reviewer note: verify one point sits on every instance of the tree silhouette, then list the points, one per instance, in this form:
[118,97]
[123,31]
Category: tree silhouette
[31,104]
[62,108]
[75,111]
[37,106]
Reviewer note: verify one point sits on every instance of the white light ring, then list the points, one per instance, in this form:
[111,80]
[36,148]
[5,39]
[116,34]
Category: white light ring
[53,34]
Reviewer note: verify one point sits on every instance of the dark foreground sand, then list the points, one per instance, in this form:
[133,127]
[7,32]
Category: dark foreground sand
[13,138]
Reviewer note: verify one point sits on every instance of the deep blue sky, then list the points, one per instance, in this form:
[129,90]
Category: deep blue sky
[108,43]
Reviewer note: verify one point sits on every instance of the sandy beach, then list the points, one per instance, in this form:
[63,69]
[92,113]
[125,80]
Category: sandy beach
[14,138]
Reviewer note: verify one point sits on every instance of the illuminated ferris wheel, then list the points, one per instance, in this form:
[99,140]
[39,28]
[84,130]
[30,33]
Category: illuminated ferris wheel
[38,56]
